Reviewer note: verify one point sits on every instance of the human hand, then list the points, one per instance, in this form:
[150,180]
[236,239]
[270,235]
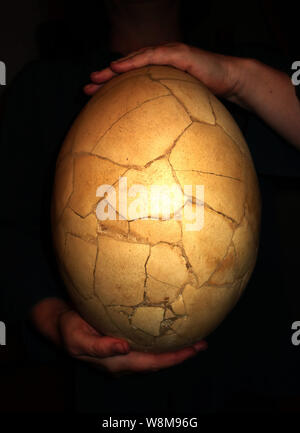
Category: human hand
[265,91]
[67,328]
[221,74]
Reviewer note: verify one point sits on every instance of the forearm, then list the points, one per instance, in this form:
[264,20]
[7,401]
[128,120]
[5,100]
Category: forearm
[271,95]
[45,317]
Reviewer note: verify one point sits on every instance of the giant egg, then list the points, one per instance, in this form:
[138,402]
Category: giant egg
[155,210]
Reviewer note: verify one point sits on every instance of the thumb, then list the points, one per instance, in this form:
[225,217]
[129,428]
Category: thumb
[103,347]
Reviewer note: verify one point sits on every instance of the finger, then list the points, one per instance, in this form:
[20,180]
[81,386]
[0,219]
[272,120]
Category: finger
[169,54]
[91,89]
[106,346]
[106,74]
[96,362]
[141,362]
[135,60]
[137,362]
[100,347]
[79,338]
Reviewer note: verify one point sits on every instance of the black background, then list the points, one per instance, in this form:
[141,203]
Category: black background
[54,29]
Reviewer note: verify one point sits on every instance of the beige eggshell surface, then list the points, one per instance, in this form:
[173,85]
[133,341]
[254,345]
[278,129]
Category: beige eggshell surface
[155,210]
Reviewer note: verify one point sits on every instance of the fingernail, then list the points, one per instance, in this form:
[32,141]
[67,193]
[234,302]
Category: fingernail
[121,348]
[201,345]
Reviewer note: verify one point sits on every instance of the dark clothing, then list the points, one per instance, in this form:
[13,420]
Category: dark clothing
[242,367]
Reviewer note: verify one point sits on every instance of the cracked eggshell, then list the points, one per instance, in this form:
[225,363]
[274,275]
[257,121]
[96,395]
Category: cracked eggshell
[205,308]
[159,292]
[224,194]
[89,173]
[148,319]
[115,103]
[230,127]
[156,282]
[157,176]
[175,273]
[207,248]
[154,231]
[120,271]
[63,187]
[194,97]
[79,261]
[161,120]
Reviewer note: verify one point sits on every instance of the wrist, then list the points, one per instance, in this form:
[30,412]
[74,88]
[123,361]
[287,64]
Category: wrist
[241,70]
[255,83]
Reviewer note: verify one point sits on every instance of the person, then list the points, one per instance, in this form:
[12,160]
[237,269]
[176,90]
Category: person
[133,25]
